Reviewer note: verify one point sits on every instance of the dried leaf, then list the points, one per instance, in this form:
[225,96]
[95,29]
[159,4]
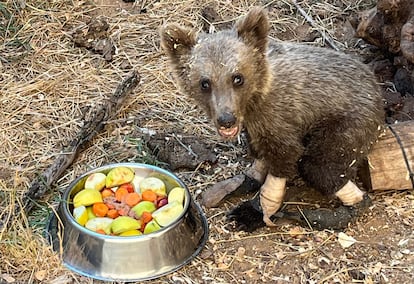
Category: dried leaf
[64,279]
[40,275]
[377,268]
[8,278]
[345,241]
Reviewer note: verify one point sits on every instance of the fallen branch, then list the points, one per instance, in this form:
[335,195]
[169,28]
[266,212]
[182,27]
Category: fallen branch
[309,19]
[90,128]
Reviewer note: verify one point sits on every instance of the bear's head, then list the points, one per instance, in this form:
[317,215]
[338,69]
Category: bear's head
[223,71]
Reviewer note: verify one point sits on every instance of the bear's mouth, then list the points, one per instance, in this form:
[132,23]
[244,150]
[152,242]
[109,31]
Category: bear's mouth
[229,132]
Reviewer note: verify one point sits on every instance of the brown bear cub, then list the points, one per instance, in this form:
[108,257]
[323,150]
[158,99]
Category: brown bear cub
[307,110]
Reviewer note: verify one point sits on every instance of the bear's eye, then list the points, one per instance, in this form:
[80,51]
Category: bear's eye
[205,85]
[238,80]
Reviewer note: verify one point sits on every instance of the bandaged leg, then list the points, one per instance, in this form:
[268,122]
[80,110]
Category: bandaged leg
[272,193]
[350,194]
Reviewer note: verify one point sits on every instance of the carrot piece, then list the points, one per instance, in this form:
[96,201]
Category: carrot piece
[100,209]
[146,217]
[110,205]
[120,192]
[106,192]
[127,186]
[112,213]
[100,231]
[149,195]
[132,199]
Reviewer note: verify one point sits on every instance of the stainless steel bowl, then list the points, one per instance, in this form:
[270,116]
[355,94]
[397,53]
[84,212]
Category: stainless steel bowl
[132,258]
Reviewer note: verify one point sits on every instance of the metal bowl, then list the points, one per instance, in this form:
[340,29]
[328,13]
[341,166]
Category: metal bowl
[133,258]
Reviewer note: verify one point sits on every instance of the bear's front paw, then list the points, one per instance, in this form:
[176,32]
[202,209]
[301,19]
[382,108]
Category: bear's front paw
[246,217]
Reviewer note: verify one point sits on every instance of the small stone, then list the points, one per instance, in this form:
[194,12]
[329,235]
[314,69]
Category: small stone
[396,255]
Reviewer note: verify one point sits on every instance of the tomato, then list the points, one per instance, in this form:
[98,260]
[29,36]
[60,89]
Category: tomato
[127,186]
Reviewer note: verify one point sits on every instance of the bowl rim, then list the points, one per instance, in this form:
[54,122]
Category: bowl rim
[52,231]
[51,234]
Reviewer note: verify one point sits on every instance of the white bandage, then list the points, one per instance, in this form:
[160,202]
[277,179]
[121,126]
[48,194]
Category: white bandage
[272,193]
[350,194]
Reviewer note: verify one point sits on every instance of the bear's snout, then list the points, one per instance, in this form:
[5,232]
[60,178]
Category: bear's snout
[226,120]
[228,125]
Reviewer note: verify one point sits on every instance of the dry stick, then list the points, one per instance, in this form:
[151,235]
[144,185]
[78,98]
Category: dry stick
[309,19]
[90,128]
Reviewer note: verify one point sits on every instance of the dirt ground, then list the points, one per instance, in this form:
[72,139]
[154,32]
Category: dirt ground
[56,66]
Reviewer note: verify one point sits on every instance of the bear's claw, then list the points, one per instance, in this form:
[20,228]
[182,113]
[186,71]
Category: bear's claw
[246,217]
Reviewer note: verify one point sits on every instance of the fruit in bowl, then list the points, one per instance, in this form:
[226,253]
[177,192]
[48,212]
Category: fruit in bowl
[119,203]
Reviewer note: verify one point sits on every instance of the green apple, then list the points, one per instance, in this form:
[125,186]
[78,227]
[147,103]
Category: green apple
[143,206]
[118,176]
[151,227]
[100,223]
[154,184]
[135,182]
[123,224]
[86,197]
[81,215]
[91,215]
[134,232]
[96,181]
[168,214]
[176,194]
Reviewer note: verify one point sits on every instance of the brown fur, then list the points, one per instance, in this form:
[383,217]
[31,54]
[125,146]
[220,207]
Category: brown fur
[306,109]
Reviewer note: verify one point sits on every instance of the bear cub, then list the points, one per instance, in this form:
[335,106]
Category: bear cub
[308,111]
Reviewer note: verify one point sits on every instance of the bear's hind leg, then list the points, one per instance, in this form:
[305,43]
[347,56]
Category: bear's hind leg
[333,152]
[330,162]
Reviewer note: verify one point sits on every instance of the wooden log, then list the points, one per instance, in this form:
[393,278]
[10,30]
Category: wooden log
[391,161]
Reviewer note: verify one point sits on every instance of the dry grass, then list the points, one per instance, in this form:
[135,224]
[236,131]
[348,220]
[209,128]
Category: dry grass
[48,85]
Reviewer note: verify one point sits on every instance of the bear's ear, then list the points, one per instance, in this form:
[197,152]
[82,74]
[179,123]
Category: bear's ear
[254,28]
[177,41]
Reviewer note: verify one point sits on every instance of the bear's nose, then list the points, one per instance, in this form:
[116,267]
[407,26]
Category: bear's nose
[226,119]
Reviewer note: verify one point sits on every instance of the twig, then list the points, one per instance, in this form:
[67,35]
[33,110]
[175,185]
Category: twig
[188,148]
[305,218]
[309,19]
[90,128]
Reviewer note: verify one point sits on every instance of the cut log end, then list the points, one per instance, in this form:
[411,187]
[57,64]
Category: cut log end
[391,160]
